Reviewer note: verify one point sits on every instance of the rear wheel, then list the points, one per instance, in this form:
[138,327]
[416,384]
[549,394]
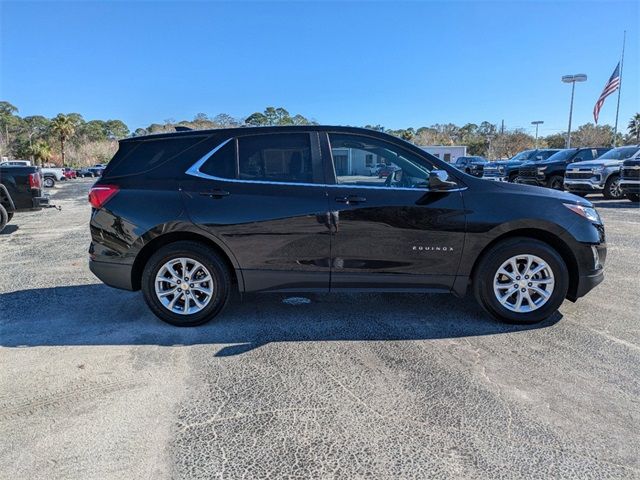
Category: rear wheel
[186,284]
[634,197]
[521,280]
[556,182]
[49,182]
[4,218]
[612,189]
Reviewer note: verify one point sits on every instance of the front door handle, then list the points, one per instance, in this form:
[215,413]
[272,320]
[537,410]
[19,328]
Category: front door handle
[217,193]
[351,199]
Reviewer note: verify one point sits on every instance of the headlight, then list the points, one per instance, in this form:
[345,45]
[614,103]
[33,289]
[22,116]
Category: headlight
[597,169]
[589,213]
[541,169]
[501,169]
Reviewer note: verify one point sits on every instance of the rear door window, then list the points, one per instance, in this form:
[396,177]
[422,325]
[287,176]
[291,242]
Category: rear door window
[281,158]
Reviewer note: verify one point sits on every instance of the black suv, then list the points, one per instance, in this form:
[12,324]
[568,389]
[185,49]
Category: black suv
[630,178]
[190,216]
[550,172]
[471,165]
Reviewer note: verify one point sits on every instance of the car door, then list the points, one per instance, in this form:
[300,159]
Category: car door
[389,231]
[264,197]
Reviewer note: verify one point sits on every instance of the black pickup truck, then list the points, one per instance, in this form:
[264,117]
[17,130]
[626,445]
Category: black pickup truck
[20,191]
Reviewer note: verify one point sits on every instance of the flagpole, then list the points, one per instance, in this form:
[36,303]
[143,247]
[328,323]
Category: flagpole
[615,129]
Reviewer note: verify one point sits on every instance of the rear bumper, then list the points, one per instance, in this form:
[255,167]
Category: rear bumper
[115,275]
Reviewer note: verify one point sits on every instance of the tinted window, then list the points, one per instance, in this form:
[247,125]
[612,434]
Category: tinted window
[223,162]
[137,157]
[563,155]
[400,168]
[619,153]
[583,155]
[275,158]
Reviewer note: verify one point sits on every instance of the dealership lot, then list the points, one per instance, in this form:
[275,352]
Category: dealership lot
[92,385]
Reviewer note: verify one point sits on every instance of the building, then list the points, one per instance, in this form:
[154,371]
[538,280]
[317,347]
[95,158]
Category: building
[448,153]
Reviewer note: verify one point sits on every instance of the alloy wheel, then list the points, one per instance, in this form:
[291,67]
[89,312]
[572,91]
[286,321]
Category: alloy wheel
[523,283]
[184,286]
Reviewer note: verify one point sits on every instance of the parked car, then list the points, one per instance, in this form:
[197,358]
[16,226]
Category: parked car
[601,175]
[51,175]
[550,172]
[84,172]
[472,165]
[507,171]
[387,170]
[630,177]
[96,171]
[20,191]
[375,170]
[70,173]
[187,217]
[15,163]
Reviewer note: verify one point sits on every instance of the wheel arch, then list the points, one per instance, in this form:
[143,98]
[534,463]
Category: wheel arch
[551,239]
[171,237]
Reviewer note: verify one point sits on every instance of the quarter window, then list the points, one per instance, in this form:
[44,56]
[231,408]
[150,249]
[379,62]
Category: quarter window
[394,166]
[222,163]
[275,158]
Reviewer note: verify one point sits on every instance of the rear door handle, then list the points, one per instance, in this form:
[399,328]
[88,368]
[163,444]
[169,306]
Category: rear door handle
[351,199]
[215,193]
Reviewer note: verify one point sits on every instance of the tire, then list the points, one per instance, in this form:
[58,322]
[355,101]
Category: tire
[556,182]
[49,182]
[486,273]
[194,252]
[612,190]
[4,218]
[634,197]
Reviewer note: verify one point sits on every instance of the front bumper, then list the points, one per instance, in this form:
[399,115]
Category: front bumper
[538,182]
[593,184]
[591,260]
[630,186]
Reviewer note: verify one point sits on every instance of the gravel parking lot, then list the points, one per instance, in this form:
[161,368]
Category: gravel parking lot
[92,385]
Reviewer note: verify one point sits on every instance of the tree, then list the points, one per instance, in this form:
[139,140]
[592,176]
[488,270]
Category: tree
[634,127]
[590,135]
[116,129]
[64,127]
[256,119]
[40,151]
[224,120]
[556,140]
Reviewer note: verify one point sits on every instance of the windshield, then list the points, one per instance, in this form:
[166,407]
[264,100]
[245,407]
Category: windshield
[525,155]
[619,153]
[562,155]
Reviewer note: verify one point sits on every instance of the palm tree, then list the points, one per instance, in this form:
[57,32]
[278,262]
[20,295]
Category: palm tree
[41,151]
[634,127]
[63,127]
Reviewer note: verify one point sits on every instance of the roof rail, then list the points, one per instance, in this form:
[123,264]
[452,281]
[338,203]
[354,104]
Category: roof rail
[181,128]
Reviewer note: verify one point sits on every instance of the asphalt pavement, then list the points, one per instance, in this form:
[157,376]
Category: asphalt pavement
[92,385]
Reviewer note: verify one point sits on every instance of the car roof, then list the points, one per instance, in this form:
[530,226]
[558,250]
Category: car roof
[231,132]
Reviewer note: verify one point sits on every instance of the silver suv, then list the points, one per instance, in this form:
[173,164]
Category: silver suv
[601,175]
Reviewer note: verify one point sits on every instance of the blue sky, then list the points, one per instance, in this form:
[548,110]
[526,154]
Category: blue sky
[393,63]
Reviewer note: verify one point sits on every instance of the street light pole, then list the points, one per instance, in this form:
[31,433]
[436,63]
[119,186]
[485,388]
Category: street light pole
[572,79]
[536,123]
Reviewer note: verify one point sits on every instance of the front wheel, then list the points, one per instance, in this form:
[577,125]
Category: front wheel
[49,182]
[521,280]
[556,182]
[186,284]
[4,218]
[612,188]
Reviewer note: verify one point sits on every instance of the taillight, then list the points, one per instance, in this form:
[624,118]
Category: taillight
[100,194]
[35,181]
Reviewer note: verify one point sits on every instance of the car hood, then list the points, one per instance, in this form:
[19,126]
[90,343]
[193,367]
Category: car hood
[595,163]
[565,197]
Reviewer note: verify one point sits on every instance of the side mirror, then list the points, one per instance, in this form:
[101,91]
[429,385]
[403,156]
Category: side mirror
[439,181]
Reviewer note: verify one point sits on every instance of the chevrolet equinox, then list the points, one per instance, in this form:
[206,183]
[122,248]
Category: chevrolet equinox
[189,217]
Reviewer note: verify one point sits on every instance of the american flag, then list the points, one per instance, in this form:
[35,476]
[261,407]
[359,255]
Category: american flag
[612,85]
